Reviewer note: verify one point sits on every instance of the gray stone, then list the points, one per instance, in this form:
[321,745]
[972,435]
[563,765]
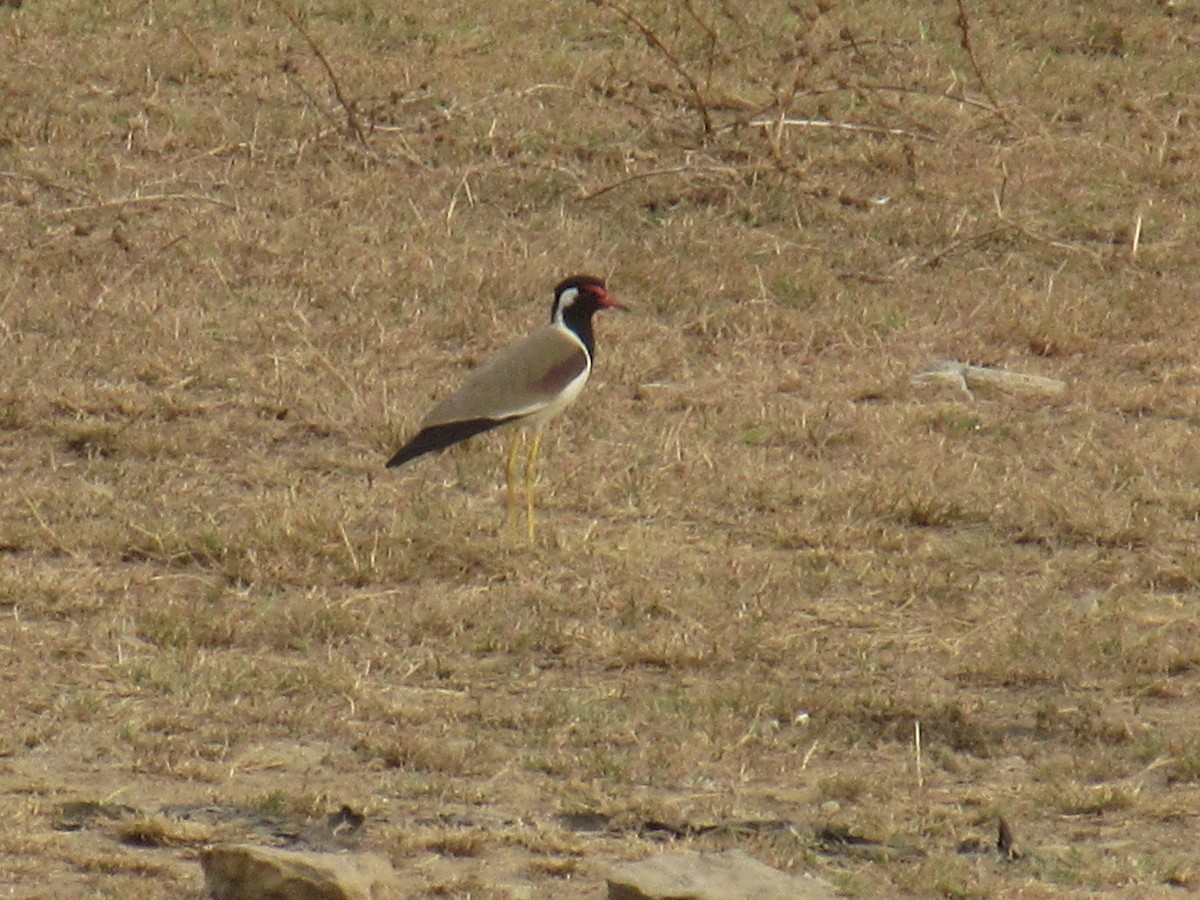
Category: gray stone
[248,872]
[732,875]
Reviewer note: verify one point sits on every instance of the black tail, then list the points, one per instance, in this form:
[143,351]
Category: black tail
[439,437]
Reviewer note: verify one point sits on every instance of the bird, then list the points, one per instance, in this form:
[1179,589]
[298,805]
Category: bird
[527,383]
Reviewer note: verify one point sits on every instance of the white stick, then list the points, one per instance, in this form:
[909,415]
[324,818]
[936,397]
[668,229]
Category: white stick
[917,744]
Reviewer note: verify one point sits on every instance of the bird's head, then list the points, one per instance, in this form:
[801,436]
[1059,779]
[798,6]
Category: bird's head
[581,296]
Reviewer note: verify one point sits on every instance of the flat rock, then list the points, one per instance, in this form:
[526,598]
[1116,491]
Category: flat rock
[969,378]
[249,872]
[732,875]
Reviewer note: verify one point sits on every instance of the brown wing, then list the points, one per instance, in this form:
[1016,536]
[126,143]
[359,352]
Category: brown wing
[523,380]
[532,376]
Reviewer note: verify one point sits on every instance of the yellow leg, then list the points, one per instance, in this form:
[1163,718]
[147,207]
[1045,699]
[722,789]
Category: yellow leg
[513,446]
[531,478]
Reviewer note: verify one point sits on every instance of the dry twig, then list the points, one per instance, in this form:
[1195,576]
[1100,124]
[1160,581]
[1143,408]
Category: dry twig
[352,124]
[143,198]
[843,126]
[654,41]
[964,26]
[653,173]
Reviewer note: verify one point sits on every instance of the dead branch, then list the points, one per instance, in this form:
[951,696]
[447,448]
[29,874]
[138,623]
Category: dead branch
[653,39]
[352,123]
[843,126]
[142,198]
[653,173]
[711,34]
[756,117]
[1005,227]
[964,27]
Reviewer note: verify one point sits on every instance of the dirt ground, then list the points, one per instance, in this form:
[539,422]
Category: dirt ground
[782,597]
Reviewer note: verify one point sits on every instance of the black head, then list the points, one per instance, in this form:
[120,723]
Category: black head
[576,300]
[581,292]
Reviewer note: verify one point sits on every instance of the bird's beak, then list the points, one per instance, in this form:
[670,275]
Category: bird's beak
[607,301]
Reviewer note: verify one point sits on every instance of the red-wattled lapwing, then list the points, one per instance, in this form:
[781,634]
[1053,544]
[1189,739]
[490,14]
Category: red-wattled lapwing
[528,383]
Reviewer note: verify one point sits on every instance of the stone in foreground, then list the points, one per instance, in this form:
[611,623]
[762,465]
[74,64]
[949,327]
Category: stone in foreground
[732,875]
[248,872]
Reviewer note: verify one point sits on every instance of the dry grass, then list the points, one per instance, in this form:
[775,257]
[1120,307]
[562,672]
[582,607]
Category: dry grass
[765,555]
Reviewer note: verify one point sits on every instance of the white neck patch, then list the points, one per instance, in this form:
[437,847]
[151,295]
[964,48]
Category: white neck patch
[565,300]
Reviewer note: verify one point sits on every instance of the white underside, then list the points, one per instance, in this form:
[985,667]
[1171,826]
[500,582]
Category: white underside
[568,396]
[537,414]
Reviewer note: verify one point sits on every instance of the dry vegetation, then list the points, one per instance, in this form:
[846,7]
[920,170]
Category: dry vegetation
[766,558]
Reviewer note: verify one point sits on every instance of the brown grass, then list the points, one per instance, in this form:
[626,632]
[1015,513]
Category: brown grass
[765,555]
